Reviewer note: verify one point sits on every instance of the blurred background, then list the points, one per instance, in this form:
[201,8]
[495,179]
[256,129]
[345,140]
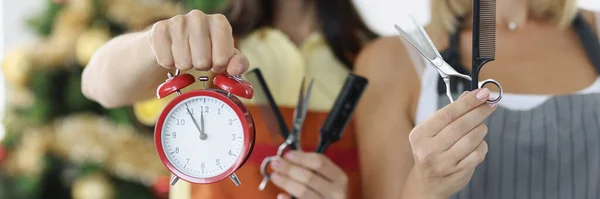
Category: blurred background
[54,143]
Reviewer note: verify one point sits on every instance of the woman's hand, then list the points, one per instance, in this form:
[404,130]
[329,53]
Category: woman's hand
[204,42]
[309,175]
[448,146]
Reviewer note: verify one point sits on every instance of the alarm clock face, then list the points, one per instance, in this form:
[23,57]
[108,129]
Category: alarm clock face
[203,137]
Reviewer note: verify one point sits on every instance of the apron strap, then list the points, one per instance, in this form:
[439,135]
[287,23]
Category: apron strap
[589,40]
[597,19]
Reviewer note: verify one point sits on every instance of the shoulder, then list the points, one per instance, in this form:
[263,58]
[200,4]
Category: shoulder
[393,79]
[384,54]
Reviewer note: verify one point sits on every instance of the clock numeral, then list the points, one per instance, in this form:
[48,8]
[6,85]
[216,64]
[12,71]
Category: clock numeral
[202,166]
[191,111]
[180,122]
[174,134]
[176,149]
[219,111]
[230,153]
[187,160]
[231,122]
[218,163]
[204,109]
[232,136]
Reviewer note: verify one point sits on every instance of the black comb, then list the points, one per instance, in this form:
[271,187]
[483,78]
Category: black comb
[265,102]
[342,110]
[484,37]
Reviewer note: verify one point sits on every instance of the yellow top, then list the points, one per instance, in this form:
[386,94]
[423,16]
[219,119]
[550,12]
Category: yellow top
[283,65]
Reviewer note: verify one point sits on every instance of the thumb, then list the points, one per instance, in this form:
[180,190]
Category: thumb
[238,64]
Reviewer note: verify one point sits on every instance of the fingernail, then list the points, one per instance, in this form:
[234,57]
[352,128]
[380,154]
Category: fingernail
[290,155]
[280,196]
[275,164]
[483,94]
[492,105]
[239,71]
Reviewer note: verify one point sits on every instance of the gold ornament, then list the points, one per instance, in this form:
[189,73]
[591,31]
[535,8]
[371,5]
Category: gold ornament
[90,41]
[70,22]
[93,186]
[86,138]
[27,159]
[20,97]
[17,65]
[147,112]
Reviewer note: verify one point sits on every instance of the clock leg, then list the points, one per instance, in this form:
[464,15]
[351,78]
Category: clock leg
[235,179]
[174,180]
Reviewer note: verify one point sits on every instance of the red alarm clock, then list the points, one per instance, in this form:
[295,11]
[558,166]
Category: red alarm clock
[204,136]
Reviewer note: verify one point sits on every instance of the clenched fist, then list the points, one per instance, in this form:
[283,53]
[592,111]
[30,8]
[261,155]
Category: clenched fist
[197,40]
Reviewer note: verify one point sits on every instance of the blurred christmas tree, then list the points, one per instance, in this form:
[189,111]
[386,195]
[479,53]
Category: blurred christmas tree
[58,144]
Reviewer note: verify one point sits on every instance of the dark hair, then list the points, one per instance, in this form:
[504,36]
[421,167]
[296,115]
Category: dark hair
[342,27]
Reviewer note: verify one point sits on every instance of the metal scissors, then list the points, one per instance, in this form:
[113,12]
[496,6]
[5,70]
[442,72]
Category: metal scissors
[419,39]
[293,138]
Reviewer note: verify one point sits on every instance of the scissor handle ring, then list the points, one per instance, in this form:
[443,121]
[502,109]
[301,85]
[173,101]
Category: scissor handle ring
[491,81]
[263,166]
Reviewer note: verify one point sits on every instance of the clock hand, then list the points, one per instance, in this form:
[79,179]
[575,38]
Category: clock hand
[203,135]
[202,121]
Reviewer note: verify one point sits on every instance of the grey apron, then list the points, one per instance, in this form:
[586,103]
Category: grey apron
[551,151]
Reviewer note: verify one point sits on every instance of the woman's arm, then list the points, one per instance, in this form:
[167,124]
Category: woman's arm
[123,71]
[130,67]
[384,117]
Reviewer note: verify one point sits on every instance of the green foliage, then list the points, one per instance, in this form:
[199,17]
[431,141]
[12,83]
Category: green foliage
[73,95]
[130,190]
[89,168]
[42,23]
[120,116]
[44,90]
[208,6]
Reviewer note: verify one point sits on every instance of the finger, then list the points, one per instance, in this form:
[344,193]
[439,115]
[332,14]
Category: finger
[467,144]
[200,44]
[238,64]
[161,44]
[283,196]
[474,158]
[462,126]
[461,149]
[294,188]
[222,42]
[440,119]
[319,164]
[180,43]
[463,94]
[458,180]
[301,175]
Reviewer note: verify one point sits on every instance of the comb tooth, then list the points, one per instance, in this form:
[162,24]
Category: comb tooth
[487,33]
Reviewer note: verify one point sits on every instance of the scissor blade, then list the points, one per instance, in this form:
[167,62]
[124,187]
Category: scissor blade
[419,39]
[305,103]
[300,113]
